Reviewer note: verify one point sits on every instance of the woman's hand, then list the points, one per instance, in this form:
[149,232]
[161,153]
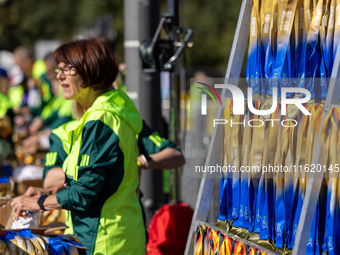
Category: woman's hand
[32,140]
[24,203]
[36,192]
[35,126]
[143,162]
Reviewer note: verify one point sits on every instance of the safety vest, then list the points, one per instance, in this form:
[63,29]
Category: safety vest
[102,177]
[5,105]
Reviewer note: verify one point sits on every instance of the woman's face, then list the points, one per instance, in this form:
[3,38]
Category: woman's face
[70,82]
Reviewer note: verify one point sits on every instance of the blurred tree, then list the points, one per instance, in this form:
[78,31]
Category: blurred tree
[25,21]
[214,23]
[22,22]
[89,10]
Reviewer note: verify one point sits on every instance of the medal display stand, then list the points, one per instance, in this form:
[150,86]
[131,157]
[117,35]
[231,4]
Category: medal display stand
[208,180]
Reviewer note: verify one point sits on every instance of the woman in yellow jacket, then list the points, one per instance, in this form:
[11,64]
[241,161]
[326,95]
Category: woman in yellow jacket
[101,170]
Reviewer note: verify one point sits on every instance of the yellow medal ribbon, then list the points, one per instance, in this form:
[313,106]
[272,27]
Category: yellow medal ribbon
[199,240]
[329,141]
[313,130]
[215,242]
[301,148]
[29,247]
[325,138]
[226,247]
[266,16]
[3,247]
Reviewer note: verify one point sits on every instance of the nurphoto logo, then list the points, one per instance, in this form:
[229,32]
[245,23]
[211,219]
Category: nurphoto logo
[239,105]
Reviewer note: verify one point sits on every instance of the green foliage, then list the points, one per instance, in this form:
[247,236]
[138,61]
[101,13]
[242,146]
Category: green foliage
[214,23]
[25,21]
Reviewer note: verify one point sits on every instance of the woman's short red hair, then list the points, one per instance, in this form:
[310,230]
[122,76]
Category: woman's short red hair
[93,60]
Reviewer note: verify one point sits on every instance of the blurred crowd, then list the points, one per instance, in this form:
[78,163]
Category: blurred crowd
[31,105]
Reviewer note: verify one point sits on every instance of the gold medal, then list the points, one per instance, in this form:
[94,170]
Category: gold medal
[242,232]
[254,237]
[266,244]
[223,225]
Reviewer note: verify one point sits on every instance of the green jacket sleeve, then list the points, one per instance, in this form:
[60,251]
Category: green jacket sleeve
[97,155]
[56,155]
[150,142]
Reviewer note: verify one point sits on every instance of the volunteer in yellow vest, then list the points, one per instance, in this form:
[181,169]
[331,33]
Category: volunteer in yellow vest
[5,104]
[32,70]
[101,171]
[47,78]
[6,117]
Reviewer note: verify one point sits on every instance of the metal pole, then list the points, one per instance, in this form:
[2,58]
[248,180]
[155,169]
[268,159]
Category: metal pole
[173,7]
[131,49]
[175,91]
[143,85]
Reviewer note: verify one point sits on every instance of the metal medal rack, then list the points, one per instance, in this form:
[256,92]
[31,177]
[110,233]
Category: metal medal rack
[205,193]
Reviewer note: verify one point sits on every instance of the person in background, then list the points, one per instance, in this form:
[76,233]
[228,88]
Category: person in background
[55,109]
[5,105]
[57,112]
[26,96]
[47,78]
[6,117]
[101,170]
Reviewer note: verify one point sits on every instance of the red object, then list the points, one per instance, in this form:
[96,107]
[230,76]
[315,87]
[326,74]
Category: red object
[169,229]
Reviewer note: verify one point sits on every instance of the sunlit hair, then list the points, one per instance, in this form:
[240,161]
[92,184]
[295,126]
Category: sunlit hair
[23,52]
[92,59]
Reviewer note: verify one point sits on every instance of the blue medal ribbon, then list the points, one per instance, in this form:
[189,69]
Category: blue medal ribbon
[265,226]
[247,205]
[299,202]
[259,203]
[289,200]
[244,198]
[311,241]
[252,196]
[236,202]
[229,197]
[222,212]
[317,232]
[62,246]
[330,243]
[279,214]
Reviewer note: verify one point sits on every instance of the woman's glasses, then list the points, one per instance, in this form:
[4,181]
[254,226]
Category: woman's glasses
[65,71]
